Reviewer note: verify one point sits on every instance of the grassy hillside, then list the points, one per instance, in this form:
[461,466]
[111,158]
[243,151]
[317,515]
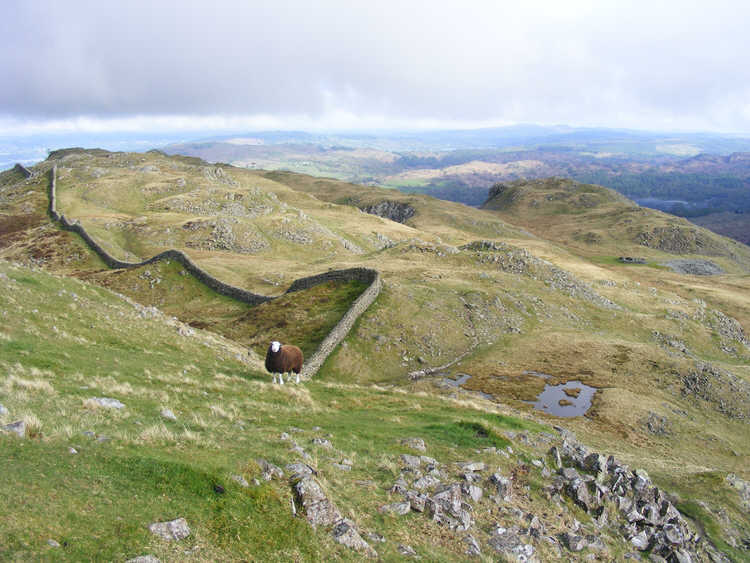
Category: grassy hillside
[509,297]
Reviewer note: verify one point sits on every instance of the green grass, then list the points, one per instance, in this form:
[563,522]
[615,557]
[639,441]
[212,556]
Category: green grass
[466,434]
[101,500]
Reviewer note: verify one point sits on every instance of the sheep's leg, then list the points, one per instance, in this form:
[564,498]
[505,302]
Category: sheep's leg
[281,378]
[298,379]
[274,378]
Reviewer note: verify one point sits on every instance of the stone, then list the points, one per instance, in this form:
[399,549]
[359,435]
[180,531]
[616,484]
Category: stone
[502,485]
[426,482]
[623,503]
[472,491]
[323,442]
[673,534]
[633,516]
[641,480]
[682,556]
[108,403]
[18,428]
[72,451]
[554,453]
[168,414]
[428,460]
[3,410]
[535,526]
[650,514]
[240,480]
[414,443]
[399,508]
[579,491]
[569,473]
[372,536]
[53,543]
[345,533]
[297,470]
[341,466]
[449,498]
[174,530]
[284,436]
[407,550]
[399,487]
[640,541]
[144,559]
[270,471]
[471,465]
[411,461]
[574,542]
[416,500]
[472,544]
[319,510]
[510,546]
[595,462]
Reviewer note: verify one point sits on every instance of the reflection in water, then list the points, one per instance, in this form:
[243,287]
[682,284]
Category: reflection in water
[555,401]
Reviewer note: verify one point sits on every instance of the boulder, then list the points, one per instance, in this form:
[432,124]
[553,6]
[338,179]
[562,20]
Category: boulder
[18,428]
[271,471]
[416,500]
[414,443]
[426,482]
[107,402]
[173,530]
[502,485]
[318,509]
[411,461]
[472,491]
[472,546]
[509,545]
[400,508]
[345,533]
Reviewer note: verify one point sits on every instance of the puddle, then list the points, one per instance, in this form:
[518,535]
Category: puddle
[555,401]
[463,378]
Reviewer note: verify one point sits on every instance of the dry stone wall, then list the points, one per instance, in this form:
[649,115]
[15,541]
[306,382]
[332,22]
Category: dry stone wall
[312,364]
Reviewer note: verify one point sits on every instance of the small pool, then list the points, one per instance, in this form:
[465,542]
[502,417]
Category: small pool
[566,400]
[461,378]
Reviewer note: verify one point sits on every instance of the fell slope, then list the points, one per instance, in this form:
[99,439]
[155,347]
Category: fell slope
[465,293]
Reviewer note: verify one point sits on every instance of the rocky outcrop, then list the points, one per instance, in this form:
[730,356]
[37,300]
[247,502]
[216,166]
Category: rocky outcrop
[393,210]
[321,511]
[694,267]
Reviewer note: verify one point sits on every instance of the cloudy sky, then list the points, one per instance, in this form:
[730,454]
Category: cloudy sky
[317,64]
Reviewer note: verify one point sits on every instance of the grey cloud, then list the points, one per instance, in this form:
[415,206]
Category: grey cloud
[575,62]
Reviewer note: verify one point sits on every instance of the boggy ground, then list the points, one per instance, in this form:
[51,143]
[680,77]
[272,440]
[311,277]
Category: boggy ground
[667,352]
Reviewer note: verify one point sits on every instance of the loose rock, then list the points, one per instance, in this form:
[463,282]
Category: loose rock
[18,428]
[174,530]
[108,403]
[414,443]
[345,533]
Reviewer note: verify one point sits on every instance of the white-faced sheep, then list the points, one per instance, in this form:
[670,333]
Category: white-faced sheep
[283,359]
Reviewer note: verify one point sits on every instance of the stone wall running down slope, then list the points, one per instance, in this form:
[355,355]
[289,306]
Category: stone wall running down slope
[313,363]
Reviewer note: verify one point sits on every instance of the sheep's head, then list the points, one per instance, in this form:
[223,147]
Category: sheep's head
[275,346]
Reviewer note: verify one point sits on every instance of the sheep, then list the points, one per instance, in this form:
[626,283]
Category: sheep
[283,359]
